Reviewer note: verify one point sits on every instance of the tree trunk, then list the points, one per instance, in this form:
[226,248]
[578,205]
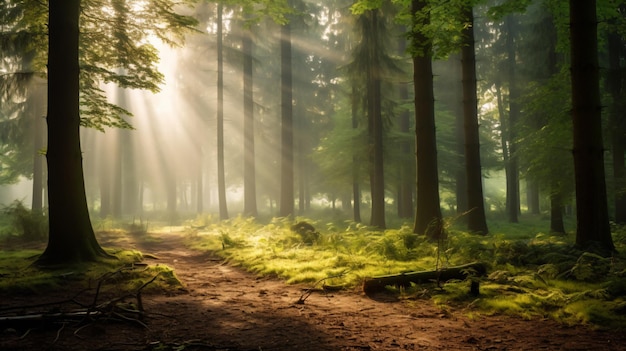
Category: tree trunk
[532,196]
[375,124]
[249,168]
[556,210]
[406,178]
[221,181]
[356,189]
[476,221]
[39,142]
[116,191]
[71,236]
[459,132]
[591,202]
[511,167]
[286,173]
[428,219]
[614,83]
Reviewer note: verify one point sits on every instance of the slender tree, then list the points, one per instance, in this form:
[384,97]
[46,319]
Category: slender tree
[428,219]
[476,220]
[221,180]
[374,117]
[592,219]
[249,169]
[286,167]
[511,158]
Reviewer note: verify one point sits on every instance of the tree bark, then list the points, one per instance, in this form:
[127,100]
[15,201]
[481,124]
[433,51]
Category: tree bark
[356,188]
[614,82]
[249,168]
[591,201]
[39,142]
[221,180]
[406,178]
[459,132]
[476,221]
[511,166]
[375,124]
[71,236]
[428,219]
[286,166]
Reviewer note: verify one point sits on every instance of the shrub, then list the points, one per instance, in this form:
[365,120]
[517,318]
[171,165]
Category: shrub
[30,225]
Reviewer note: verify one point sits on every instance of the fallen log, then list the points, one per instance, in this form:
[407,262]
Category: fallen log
[376,284]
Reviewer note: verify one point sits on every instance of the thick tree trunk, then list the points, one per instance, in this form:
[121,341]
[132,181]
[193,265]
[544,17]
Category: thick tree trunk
[428,219]
[476,221]
[71,236]
[249,166]
[591,201]
[286,165]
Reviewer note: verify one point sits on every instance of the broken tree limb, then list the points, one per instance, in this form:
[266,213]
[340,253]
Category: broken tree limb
[376,284]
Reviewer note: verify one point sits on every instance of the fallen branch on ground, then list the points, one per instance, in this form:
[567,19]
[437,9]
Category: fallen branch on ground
[125,308]
[325,288]
[376,284]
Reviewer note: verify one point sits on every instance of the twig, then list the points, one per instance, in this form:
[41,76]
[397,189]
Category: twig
[59,332]
[305,295]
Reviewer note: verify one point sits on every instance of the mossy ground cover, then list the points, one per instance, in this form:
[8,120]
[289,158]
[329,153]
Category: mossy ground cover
[532,274]
[123,272]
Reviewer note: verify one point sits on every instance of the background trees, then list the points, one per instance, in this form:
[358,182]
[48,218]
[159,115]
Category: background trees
[344,71]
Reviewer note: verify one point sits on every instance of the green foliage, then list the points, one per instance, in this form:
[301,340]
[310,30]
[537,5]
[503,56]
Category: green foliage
[124,26]
[27,224]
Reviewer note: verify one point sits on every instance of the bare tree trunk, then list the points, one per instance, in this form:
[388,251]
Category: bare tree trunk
[221,181]
[428,219]
[614,82]
[591,201]
[71,236]
[39,142]
[287,176]
[375,125]
[476,221]
[356,189]
[249,168]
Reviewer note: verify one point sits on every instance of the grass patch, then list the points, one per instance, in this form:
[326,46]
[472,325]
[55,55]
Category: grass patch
[123,274]
[532,274]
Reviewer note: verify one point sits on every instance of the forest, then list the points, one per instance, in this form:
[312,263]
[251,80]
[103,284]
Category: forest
[454,163]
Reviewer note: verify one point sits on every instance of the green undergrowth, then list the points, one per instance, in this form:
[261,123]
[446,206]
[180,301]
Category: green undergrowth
[125,273]
[531,274]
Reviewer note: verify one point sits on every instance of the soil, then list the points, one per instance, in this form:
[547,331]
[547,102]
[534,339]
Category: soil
[225,308]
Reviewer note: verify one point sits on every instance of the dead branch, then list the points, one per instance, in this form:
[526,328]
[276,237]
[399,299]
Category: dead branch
[85,315]
[307,292]
[376,284]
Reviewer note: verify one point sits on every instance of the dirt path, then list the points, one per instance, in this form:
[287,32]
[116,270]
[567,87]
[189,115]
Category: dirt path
[225,308]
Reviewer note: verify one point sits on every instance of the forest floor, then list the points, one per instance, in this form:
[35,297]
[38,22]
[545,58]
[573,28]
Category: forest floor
[222,307]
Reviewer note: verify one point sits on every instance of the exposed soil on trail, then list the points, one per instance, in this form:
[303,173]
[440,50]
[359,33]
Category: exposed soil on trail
[225,308]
